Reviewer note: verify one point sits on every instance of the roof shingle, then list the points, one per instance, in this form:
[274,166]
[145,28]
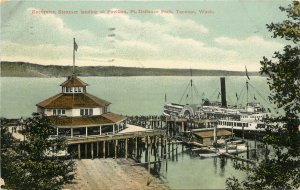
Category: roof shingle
[75,122]
[210,133]
[73,81]
[76,100]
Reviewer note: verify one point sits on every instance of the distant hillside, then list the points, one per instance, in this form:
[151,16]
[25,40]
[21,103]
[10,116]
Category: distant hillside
[21,69]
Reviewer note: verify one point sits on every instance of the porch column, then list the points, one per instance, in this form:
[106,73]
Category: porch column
[86,131]
[114,129]
[100,130]
[57,131]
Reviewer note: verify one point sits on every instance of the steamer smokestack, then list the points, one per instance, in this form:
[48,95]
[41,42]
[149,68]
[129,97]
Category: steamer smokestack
[223,92]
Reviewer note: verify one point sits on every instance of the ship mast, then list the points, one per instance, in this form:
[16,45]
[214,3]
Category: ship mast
[191,86]
[248,78]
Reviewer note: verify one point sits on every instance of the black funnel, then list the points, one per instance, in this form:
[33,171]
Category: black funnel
[223,92]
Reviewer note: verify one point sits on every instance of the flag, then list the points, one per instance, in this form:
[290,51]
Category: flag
[187,95]
[112,29]
[165,97]
[237,97]
[247,73]
[219,94]
[254,97]
[75,45]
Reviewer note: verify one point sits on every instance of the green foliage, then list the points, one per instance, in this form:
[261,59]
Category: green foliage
[280,168]
[35,163]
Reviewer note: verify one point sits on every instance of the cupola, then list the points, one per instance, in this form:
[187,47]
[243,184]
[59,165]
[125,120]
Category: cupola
[73,85]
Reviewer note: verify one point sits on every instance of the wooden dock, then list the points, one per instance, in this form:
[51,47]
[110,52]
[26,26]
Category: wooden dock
[117,136]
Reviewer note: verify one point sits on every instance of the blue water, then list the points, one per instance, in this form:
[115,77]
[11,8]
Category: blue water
[128,95]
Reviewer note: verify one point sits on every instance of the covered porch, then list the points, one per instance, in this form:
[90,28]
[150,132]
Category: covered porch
[80,131]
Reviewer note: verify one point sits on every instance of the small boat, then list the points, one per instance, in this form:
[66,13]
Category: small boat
[233,149]
[208,155]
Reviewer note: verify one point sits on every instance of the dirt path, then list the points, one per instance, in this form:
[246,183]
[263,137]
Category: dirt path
[112,174]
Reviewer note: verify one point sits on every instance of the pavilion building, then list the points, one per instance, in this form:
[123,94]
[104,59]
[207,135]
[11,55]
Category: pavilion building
[76,113]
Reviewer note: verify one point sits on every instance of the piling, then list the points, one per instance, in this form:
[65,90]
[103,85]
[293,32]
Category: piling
[92,150]
[85,150]
[247,150]
[116,145]
[97,149]
[172,151]
[148,180]
[104,145]
[146,152]
[126,148]
[169,151]
[79,155]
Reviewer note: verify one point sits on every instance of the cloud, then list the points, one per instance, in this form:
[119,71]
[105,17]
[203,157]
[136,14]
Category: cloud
[250,49]
[249,41]
[37,29]
[164,38]
[159,40]
[182,27]
[251,44]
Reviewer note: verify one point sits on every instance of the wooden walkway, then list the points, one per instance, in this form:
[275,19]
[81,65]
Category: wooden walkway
[117,136]
[112,174]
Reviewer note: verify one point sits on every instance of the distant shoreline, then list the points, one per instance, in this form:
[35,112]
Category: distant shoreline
[23,69]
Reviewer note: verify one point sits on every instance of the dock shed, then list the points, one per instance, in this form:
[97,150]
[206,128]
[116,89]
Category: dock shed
[206,137]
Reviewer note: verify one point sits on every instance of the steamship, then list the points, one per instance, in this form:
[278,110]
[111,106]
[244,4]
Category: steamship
[251,117]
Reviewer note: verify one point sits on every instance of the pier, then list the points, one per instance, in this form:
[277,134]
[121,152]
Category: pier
[124,145]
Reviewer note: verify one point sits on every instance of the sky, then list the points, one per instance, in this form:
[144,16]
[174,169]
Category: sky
[227,35]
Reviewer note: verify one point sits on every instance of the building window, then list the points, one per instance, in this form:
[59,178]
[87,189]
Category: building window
[73,89]
[86,111]
[105,109]
[59,112]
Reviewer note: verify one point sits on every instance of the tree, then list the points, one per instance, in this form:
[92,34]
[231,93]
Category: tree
[280,168]
[36,163]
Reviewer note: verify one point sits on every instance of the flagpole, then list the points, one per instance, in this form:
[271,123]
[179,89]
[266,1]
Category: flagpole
[247,92]
[73,56]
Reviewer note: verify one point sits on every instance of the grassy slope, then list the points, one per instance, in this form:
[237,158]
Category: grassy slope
[21,69]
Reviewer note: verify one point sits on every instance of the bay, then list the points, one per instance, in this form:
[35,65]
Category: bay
[146,96]
[128,95]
